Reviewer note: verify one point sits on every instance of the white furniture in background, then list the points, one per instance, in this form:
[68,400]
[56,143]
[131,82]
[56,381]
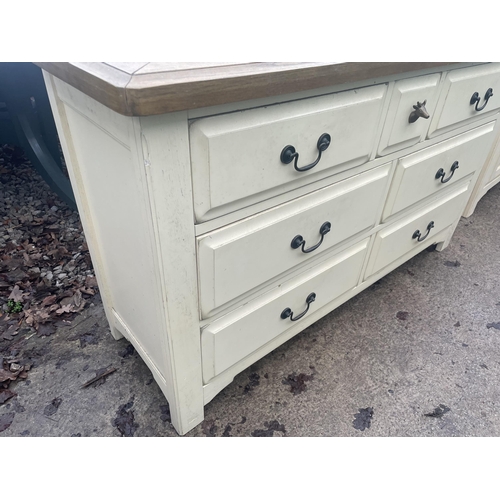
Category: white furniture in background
[213,244]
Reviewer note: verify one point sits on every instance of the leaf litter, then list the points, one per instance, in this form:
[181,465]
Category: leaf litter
[45,268]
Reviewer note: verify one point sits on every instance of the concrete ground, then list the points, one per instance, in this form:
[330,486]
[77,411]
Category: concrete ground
[416,354]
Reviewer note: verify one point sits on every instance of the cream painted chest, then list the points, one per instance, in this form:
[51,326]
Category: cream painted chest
[228,207]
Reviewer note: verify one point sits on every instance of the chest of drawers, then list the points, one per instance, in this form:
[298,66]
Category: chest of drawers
[228,208]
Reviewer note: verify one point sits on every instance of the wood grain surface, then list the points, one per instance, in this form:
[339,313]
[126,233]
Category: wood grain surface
[142,89]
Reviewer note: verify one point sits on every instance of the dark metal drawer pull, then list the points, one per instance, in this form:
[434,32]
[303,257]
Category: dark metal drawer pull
[441,173]
[289,153]
[419,112]
[287,313]
[475,99]
[299,240]
[417,234]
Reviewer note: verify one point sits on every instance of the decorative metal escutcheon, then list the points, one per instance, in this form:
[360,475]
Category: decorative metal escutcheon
[289,153]
[288,313]
[475,99]
[418,235]
[441,173]
[299,241]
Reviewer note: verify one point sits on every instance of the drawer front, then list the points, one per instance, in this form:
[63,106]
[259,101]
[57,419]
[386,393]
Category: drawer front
[236,158]
[416,176]
[399,132]
[238,334]
[454,108]
[240,257]
[399,238]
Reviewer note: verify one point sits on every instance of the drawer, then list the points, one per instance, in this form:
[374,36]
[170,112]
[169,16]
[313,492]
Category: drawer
[398,239]
[454,108]
[416,177]
[249,253]
[237,158]
[398,132]
[236,335]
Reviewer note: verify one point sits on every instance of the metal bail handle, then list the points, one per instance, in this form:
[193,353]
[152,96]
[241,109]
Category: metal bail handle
[475,99]
[417,234]
[441,173]
[289,153]
[299,241]
[288,313]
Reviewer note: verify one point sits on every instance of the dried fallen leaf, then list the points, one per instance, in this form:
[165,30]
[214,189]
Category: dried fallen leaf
[35,317]
[90,281]
[493,325]
[10,333]
[51,408]
[64,309]
[78,300]
[438,412]
[297,383]
[362,420]
[5,394]
[27,259]
[16,294]
[72,304]
[124,420]
[6,420]
[48,301]
[8,375]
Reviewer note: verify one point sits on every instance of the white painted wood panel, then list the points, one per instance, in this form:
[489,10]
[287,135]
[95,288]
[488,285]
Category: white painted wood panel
[454,108]
[396,240]
[236,157]
[106,119]
[235,259]
[119,215]
[398,133]
[164,155]
[415,175]
[241,332]
[484,180]
[493,166]
[495,173]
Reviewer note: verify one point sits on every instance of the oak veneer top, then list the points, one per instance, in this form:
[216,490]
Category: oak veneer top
[141,89]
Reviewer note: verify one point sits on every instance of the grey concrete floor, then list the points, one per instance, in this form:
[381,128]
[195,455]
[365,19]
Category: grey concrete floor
[423,341]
